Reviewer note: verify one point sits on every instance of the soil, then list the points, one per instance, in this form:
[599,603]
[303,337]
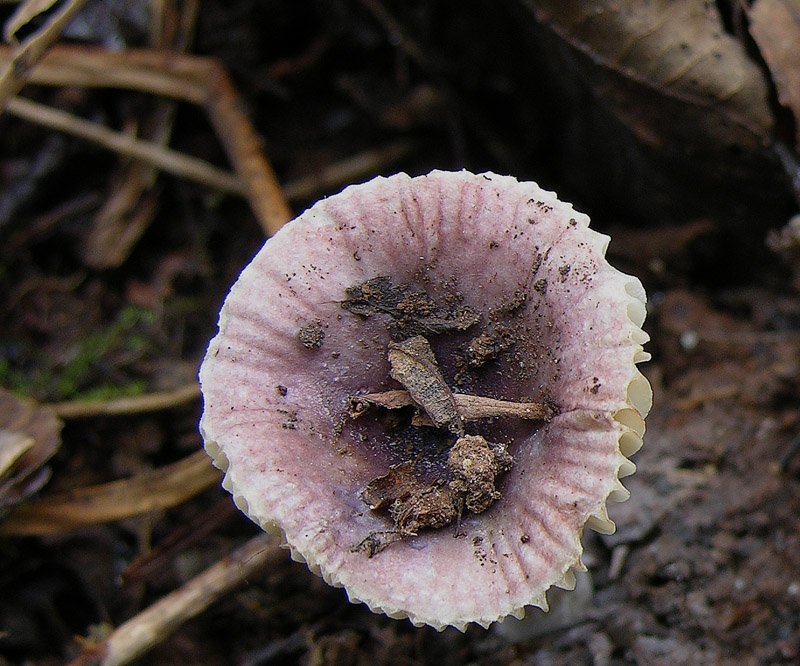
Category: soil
[412,311]
[312,335]
[704,568]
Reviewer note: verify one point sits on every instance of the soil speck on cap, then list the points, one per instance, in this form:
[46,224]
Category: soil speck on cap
[311,335]
[516,302]
[484,347]
[290,419]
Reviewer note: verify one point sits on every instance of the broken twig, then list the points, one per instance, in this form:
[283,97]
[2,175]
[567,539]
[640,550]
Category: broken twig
[193,79]
[150,402]
[470,407]
[154,624]
[150,491]
[27,53]
[171,161]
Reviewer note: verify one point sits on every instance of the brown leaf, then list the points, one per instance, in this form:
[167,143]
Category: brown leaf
[12,446]
[29,436]
[653,56]
[397,483]
[152,491]
[775,26]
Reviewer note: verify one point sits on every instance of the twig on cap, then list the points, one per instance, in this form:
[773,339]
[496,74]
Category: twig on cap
[470,407]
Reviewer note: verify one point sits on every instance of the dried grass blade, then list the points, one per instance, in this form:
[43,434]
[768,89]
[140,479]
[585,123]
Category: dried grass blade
[32,49]
[151,491]
[154,624]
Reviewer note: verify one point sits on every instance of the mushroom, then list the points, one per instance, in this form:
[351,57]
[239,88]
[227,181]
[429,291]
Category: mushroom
[442,292]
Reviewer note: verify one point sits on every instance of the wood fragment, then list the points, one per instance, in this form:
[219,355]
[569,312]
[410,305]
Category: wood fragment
[150,491]
[154,624]
[470,407]
[414,366]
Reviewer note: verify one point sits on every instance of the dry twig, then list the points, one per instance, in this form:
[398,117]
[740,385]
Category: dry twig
[147,629]
[151,402]
[151,491]
[154,154]
[131,205]
[175,76]
[26,54]
[470,407]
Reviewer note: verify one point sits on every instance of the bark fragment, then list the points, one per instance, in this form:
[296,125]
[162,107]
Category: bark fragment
[414,366]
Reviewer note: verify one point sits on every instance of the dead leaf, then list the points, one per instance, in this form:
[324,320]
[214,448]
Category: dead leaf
[29,436]
[151,491]
[414,366]
[775,26]
[12,446]
[666,110]
[675,51]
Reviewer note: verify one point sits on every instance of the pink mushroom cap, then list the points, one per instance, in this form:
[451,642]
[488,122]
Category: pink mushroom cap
[275,410]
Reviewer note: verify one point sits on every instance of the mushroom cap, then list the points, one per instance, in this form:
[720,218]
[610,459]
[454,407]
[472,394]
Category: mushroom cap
[275,409]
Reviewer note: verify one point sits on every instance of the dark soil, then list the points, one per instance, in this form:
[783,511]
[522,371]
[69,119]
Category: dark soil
[705,565]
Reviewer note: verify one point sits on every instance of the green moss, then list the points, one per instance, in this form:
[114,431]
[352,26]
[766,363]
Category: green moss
[101,365]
